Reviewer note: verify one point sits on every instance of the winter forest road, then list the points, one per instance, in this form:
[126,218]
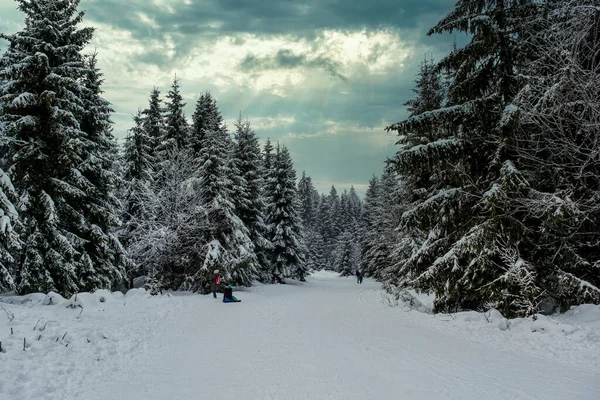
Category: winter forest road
[327,339]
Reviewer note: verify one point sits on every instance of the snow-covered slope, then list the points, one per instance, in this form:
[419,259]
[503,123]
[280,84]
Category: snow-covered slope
[326,339]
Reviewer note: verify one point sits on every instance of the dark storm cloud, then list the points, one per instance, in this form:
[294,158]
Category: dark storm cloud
[287,59]
[260,16]
[210,20]
[213,18]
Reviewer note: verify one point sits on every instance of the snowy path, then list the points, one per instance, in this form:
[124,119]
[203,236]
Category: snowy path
[327,339]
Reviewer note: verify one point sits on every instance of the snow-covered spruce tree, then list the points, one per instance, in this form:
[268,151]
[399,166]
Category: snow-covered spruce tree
[329,222]
[395,244]
[138,199]
[335,226]
[316,241]
[176,134]
[346,255]
[267,197]
[368,224]
[352,211]
[354,207]
[207,117]
[249,201]
[559,127]
[10,242]
[469,155]
[285,225]
[315,256]
[309,203]
[429,98]
[267,168]
[428,89]
[227,246]
[306,195]
[344,212]
[350,232]
[371,257]
[323,227]
[103,258]
[415,186]
[154,122]
[305,198]
[137,152]
[55,144]
[382,235]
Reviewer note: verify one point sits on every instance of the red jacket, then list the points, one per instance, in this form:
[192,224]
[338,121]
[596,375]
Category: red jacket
[215,282]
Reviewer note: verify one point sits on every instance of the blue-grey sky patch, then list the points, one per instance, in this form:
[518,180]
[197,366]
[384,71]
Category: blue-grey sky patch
[323,77]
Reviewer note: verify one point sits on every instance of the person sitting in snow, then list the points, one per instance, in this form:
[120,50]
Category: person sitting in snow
[215,282]
[359,277]
[228,296]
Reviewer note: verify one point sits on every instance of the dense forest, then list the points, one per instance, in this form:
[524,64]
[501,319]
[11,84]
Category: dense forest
[498,164]
[491,201]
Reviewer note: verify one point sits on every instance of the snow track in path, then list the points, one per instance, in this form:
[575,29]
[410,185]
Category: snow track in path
[329,338]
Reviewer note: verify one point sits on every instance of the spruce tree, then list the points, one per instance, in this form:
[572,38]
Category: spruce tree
[330,222]
[10,242]
[345,219]
[316,251]
[316,205]
[267,196]
[309,202]
[154,122]
[306,194]
[324,228]
[285,225]
[138,199]
[463,157]
[248,200]
[103,258]
[369,224]
[346,255]
[417,184]
[227,245]
[556,141]
[428,89]
[207,117]
[137,151]
[354,206]
[335,227]
[59,131]
[267,160]
[382,232]
[176,135]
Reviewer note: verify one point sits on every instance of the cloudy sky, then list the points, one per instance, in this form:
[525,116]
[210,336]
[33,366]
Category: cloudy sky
[323,77]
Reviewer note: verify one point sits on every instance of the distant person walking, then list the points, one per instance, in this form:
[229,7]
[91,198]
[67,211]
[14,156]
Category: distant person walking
[359,277]
[215,282]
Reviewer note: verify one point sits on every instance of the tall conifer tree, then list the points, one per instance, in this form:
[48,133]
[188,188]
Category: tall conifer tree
[288,255]
[249,201]
[59,130]
[154,122]
[176,134]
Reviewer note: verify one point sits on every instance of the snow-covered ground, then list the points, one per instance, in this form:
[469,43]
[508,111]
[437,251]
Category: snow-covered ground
[326,339]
